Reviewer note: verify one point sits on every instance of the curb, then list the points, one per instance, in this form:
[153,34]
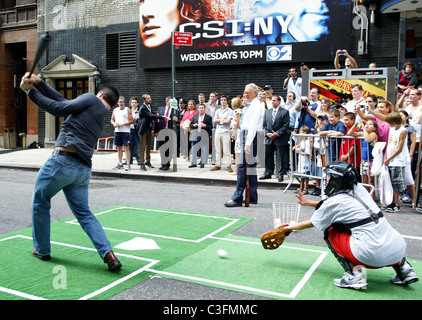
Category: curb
[163,178]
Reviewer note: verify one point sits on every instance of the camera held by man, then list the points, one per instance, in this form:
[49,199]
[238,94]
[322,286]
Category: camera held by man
[305,103]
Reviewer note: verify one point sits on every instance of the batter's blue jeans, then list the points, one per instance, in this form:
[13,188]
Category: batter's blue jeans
[71,176]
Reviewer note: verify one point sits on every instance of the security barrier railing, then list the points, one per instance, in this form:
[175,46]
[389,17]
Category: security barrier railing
[310,153]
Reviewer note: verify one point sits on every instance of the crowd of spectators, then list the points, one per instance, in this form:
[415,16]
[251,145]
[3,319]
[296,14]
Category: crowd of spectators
[209,129]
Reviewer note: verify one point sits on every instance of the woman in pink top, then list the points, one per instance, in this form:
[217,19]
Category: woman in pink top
[383,108]
[186,120]
[188,115]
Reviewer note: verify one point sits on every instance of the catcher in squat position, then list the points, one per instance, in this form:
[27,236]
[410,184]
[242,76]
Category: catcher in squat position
[354,228]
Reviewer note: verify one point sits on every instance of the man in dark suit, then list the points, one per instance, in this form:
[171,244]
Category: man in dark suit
[276,125]
[145,135]
[201,126]
[167,115]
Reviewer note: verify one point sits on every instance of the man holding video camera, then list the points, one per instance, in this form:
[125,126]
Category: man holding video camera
[349,62]
[308,107]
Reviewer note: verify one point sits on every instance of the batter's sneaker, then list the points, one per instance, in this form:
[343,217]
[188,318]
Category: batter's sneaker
[355,281]
[405,275]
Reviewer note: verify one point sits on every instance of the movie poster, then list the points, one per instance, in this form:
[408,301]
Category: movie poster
[243,31]
[340,90]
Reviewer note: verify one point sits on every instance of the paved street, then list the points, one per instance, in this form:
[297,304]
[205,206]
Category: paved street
[182,190]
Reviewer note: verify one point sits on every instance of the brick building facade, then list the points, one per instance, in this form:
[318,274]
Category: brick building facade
[97,43]
[18,39]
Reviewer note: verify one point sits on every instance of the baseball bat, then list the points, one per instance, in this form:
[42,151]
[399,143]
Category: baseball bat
[42,45]
[247,187]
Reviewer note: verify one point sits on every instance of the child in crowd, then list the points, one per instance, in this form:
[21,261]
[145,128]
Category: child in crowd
[319,149]
[334,128]
[322,120]
[384,107]
[236,104]
[350,148]
[409,173]
[370,138]
[396,157]
[304,150]
[342,109]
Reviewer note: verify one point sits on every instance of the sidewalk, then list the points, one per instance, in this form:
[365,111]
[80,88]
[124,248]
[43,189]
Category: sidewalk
[103,162]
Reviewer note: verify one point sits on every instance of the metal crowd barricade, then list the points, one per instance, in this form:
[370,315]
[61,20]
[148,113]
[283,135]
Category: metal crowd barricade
[321,151]
[106,144]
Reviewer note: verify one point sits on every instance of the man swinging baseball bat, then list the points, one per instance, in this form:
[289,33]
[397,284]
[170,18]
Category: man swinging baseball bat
[354,228]
[69,166]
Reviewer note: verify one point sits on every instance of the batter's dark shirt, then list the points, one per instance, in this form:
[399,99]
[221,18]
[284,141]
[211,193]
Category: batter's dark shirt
[84,122]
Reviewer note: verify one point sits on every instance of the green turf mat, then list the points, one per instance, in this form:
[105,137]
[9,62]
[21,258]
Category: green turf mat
[163,223]
[71,274]
[184,247]
[77,272]
[291,272]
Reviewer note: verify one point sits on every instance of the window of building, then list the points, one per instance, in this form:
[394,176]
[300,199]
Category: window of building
[120,50]
[7,4]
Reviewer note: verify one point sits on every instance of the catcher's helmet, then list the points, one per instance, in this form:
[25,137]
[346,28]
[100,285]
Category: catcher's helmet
[342,177]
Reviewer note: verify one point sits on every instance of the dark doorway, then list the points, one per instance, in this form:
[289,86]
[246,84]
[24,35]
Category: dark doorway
[70,89]
[16,56]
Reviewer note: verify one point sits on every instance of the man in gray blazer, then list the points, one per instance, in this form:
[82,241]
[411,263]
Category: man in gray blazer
[276,126]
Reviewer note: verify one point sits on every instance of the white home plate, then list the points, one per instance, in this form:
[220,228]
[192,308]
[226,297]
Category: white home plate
[138,244]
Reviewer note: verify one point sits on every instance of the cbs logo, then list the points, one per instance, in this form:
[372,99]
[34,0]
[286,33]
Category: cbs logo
[279,53]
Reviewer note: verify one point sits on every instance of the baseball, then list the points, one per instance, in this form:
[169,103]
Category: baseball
[222,253]
[277,222]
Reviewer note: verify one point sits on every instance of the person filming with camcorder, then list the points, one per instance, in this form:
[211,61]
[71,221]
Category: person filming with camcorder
[308,107]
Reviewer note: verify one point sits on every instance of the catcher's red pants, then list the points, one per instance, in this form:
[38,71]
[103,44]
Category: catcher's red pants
[340,241]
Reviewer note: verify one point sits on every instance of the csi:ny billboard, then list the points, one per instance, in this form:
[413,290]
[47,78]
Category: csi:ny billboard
[243,31]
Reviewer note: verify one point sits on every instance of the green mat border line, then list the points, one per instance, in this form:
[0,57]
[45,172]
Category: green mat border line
[233,221]
[151,263]
[290,295]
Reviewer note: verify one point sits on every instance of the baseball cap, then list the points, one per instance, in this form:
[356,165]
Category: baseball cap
[182,101]
[268,87]
[323,116]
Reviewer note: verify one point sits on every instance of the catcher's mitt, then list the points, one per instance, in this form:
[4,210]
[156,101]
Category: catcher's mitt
[275,237]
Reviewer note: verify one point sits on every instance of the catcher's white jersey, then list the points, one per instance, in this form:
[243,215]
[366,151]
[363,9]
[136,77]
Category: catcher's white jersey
[375,245]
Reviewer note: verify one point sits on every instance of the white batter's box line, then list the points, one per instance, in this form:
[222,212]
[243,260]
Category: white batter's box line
[220,283]
[307,275]
[252,290]
[210,235]
[151,263]
[20,294]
